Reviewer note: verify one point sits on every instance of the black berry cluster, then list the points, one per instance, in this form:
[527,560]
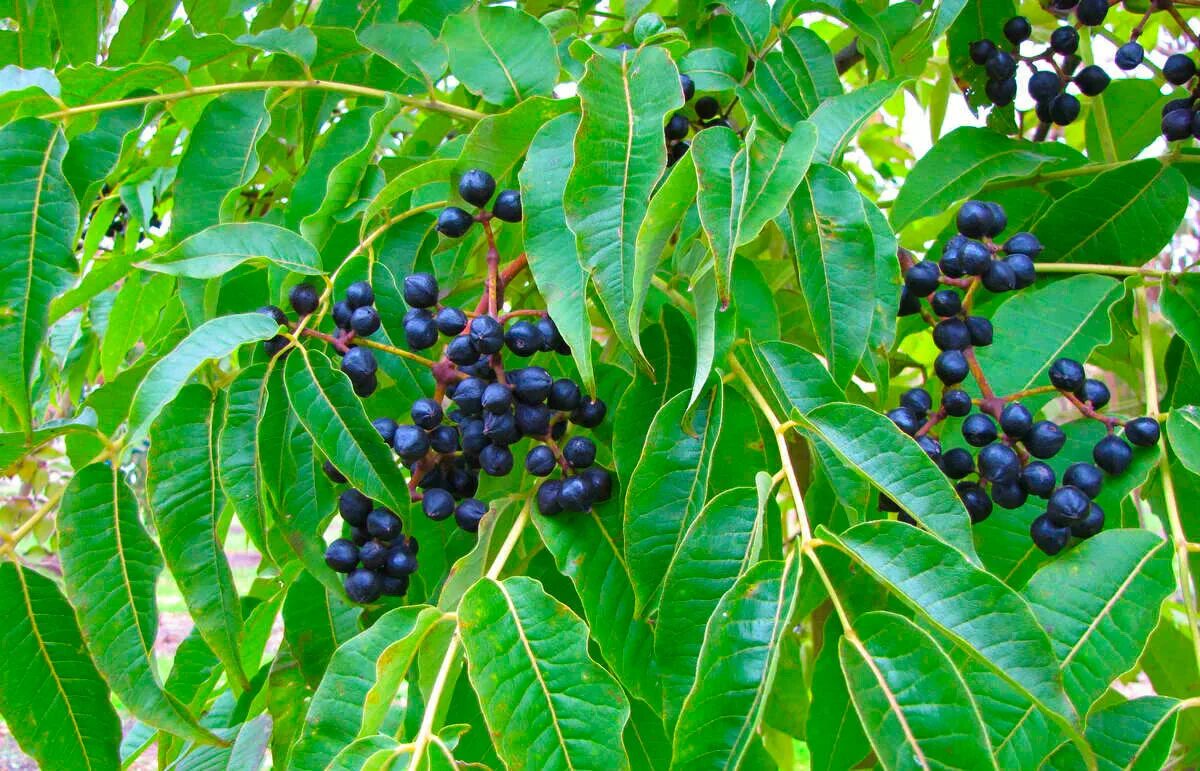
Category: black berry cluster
[1011,447]
[478,413]
[708,114]
[1048,85]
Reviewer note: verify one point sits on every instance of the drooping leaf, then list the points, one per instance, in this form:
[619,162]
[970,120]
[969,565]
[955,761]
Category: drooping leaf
[663,219]
[137,311]
[547,704]
[1183,429]
[242,453]
[907,692]
[53,701]
[736,667]
[37,238]
[186,499]
[218,249]
[619,157]
[110,566]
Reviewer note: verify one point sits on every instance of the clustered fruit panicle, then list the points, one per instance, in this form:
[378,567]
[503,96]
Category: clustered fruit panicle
[480,412]
[1011,446]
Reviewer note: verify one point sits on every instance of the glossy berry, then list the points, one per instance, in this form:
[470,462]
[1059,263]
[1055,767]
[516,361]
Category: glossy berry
[354,507]
[1047,536]
[1009,495]
[540,461]
[461,352]
[575,494]
[922,278]
[384,525]
[1095,392]
[420,332]
[1017,30]
[951,367]
[1091,524]
[359,363]
[386,428]
[677,127]
[393,586]
[1016,420]
[531,385]
[1064,40]
[951,335]
[1067,504]
[1023,243]
[918,400]
[487,336]
[707,108]
[957,463]
[974,217]
[304,299]
[975,258]
[932,448]
[1130,55]
[500,429]
[437,504]
[426,413]
[1022,268]
[365,321]
[564,395]
[420,290]
[977,502]
[1044,85]
[410,443]
[533,419]
[1000,66]
[688,86]
[1084,476]
[951,263]
[1178,69]
[508,206]
[473,439]
[342,555]
[600,481]
[551,339]
[999,277]
[979,430]
[496,460]
[1044,440]
[1112,454]
[363,586]
[1143,432]
[905,419]
[444,439]
[342,313]
[998,463]
[580,452]
[946,303]
[1001,92]
[523,339]
[497,398]
[956,402]
[360,294]
[469,513]
[454,222]
[981,331]
[450,321]
[1066,374]
[1091,12]
[1038,479]
[547,497]
[981,50]
[372,554]
[469,394]
[1092,80]
[476,187]
[1177,125]
[1064,109]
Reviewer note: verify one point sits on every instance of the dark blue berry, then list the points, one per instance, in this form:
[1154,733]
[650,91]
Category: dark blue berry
[342,555]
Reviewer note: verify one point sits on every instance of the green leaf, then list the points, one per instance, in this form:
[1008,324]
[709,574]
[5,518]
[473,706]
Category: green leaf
[1180,301]
[872,35]
[722,170]
[1099,633]
[37,234]
[714,551]
[789,85]
[1132,735]
[218,249]
[547,704]
[343,708]
[93,155]
[299,42]
[713,69]
[794,378]
[135,312]
[14,445]
[961,163]
[220,157]
[664,217]
[215,339]
[1123,216]
[1183,428]
[904,473]
[324,401]
[834,251]
[247,437]
[503,54]
[1033,328]
[907,692]
[110,566]
[776,170]
[839,118]
[587,549]
[53,702]
[409,46]
[835,733]
[1124,119]
[668,487]
[619,157]
[436,170]
[316,622]
[80,27]
[550,244]
[498,142]
[736,668]
[182,488]
[972,607]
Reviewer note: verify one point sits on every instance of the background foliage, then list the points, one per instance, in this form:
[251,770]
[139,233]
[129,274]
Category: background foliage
[167,168]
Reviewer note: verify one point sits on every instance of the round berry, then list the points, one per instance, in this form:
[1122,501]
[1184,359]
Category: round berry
[1022,269]
[1000,66]
[1091,13]
[951,367]
[707,108]
[501,429]
[437,504]
[461,352]
[951,335]
[551,339]
[1064,40]
[410,443]
[998,463]
[1177,125]
[905,419]
[476,187]
[909,303]
[1090,525]
[508,206]
[547,497]
[354,507]
[1044,85]
[1017,30]
[600,481]
[1001,92]
[487,336]
[365,321]
[957,463]
[946,303]
[974,217]
[523,339]
[531,385]
[275,313]
[342,555]
[977,502]
[981,50]
[1016,420]
[1178,69]
[363,586]
[540,461]
[304,299]
[999,277]
[975,258]
[1084,476]
[564,395]
[580,452]
[366,386]
[956,402]
[533,419]
[979,430]
[922,278]
[420,332]
[1094,391]
[421,290]
[589,413]
[469,513]
[338,478]
[918,400]
[575,494]
[469,394]
[688,86]
[497,398]
[951,263]
[444,439]
[1067,504]
[1064,109]
[386,428]
[384,525]
[394,586]
[1112,454]
[932,447]
[1066,374]
[1130,55]
[372,554]
[1023,243]
[454,222]
[359,294]
[342,313]
[496,460]
[1009,495]
[359,363]
[1044,439]
[677,127]
[450,321]
[1047,536]
[999,219]
[980,330]
[1038,479]
[1143,432]
[426,413]
[1092,80]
